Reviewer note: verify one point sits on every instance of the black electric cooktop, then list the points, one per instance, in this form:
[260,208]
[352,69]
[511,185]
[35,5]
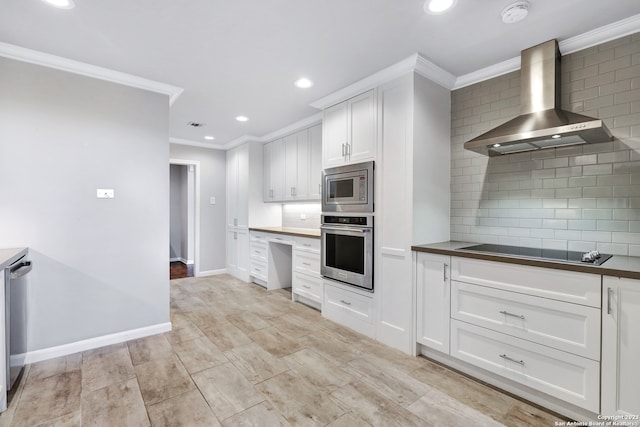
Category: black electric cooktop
[548,254]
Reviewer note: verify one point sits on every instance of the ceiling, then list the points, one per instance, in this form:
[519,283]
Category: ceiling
[241,57]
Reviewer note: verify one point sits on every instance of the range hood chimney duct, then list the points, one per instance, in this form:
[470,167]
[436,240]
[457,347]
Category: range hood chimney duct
[541,123]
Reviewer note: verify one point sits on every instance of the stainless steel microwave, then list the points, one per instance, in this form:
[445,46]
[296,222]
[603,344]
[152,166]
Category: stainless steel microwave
[348,188]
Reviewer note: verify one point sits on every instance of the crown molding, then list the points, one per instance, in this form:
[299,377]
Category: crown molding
[287,130]
[76,67]
[199,144]
[589,39]
[293,127]
[487,73]
[415,62]
[601,35]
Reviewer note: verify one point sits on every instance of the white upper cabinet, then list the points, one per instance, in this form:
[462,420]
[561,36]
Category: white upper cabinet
[315,162]
[350,131]
[292,167]
[273,178]
[620,347]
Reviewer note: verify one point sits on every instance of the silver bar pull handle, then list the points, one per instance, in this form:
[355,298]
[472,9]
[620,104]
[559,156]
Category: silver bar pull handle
[21,269]
[345,302]
[506,313]
[444,272]
[609,298]
[306,286]
[510,359]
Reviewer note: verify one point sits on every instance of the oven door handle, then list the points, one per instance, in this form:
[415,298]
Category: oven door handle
[354,230]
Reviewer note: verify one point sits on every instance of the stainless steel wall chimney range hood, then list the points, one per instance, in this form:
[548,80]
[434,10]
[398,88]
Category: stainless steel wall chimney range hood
[541,123]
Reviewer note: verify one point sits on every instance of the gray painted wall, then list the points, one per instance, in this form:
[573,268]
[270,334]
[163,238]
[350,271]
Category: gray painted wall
[212,217]
[100,266]
[178,211]
[576,198]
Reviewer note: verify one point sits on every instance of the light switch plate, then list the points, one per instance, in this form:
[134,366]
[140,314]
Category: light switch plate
[105,193]
[212,200]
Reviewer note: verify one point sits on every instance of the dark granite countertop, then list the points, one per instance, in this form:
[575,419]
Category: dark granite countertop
[291,231]
[618,265]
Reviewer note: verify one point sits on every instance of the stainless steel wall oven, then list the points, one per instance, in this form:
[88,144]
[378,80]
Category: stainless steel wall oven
[347,249]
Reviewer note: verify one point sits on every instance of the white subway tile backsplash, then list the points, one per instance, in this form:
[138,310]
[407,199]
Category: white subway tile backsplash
[598,236]
[582,224]
[576,197]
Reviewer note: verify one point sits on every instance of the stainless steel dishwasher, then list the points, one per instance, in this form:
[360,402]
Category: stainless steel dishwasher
[16,317]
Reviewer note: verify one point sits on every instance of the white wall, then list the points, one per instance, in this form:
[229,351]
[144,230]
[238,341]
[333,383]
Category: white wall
[212,217]
[100,266]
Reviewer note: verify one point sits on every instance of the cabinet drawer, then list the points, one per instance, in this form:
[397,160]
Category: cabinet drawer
[259,236]
[350,309]
[306,262]
[259,269]
[570,327]
[560,374]
[307,244]
[285,239]
[259,251]
[569,286]
[307,286]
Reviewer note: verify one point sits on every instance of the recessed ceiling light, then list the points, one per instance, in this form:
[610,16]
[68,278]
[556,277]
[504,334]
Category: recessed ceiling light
[303,83]
[209,138]
[436,7]
[496,145]
[515,12]
[60,4]
[242,118]
[556,136]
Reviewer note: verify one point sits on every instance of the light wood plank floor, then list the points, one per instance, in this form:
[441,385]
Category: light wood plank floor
[240,356]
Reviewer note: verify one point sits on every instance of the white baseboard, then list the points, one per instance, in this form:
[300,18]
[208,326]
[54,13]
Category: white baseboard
[211,272]
[78,346]
[182,260]
[174,259]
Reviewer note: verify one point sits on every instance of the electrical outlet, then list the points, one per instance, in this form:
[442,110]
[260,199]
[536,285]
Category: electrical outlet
[212,200]
[105,193]
[303,216]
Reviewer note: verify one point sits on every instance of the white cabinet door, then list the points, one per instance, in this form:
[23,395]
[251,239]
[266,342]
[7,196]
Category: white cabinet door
[267,193]
[349,133]
[301,188]
[273,163]
[334,135]
[296,159]
[362,130]
[242,188]
[315,162]
[433,300]
[232,251]
[620,346]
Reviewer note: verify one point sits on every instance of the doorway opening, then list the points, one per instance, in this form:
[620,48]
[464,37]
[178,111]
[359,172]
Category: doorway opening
[184,257]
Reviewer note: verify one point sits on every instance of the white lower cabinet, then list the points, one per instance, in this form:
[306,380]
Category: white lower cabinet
[571,378]
[306,284]
[433,296]
[530,326]
[620,347]
[351,308]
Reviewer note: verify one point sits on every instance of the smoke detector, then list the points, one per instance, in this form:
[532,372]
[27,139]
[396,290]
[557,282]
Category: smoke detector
[515,12]
[195,124]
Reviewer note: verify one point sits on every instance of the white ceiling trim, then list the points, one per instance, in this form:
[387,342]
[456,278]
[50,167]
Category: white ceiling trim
[191,143]
[415,62]
[589,39]
[287,130]
[52,61]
